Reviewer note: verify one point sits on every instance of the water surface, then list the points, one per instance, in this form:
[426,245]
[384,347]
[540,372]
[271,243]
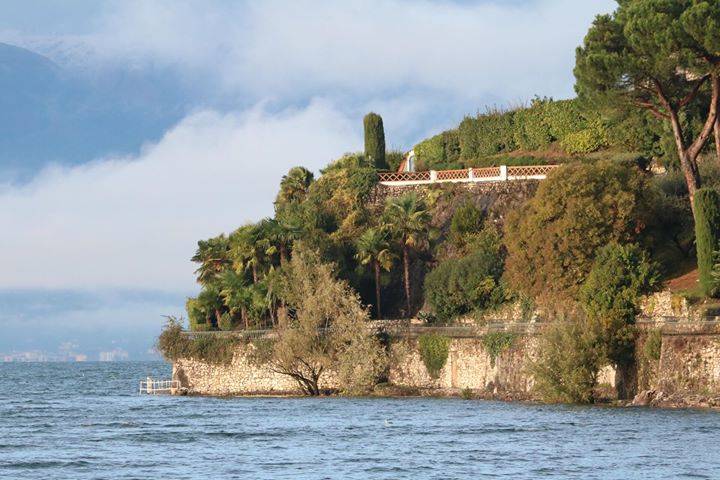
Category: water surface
[86,421]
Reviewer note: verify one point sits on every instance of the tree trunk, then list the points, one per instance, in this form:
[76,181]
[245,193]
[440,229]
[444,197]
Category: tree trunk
[406,267]
[218,316]
[626,380]
[283,254]
[688,154]
[717,138]
[254,272]
[688,165]
[243,314]
[377,290]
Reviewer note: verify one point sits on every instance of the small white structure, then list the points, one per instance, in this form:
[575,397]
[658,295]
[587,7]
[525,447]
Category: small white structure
[408,163]
[154,387]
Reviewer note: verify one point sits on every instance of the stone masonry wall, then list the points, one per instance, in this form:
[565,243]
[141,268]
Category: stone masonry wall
[468,366]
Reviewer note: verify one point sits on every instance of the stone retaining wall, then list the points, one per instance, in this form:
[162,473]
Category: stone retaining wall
[688,368]
[468,366]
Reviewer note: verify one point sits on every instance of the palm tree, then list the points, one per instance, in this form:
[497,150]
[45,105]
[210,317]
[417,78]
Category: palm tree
[235,294]
[247,247]
[213,255]
[294,186]
[373,249]
[408,220]
[279,236]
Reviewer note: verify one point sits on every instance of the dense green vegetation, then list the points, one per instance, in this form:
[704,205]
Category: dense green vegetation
[434,351]
[636,194]
[707,235]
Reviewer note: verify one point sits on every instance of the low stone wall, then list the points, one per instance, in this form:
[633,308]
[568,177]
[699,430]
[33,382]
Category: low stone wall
[240,377]
[468,365]
[687,373]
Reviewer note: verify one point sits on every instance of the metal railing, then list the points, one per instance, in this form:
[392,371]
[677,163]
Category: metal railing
[154,387]
[490,174]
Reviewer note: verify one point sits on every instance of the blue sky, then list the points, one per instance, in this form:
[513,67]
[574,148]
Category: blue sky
[135,128]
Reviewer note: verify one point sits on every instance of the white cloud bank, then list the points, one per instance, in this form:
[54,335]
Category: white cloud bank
[296,48]
[135,222]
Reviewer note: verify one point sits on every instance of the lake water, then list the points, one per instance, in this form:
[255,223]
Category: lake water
[83,421]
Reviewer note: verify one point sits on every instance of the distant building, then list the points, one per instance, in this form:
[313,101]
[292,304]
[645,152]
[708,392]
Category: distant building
[113,355]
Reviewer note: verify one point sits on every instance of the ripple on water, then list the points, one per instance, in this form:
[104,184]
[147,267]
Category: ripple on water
[92,424]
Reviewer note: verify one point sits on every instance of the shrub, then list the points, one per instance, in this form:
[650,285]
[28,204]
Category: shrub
[564,117]
[497,342]
[569,359]
[552,242]
[430,153]
[486,135]
[172,343]
[653,345]
[467,219]
[472,283]
[510,161]
[467,393]
[589,140]
[620,275]
[394,158]
[707,234]
[375,140]
[530,130]
[440,152]
[434,351]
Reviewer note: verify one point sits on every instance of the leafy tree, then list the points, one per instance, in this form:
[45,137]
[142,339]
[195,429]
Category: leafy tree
[213,256]
[408,220]
[553,240]
[373,249]
[327,329]
[610,296]
[707,236]
[375,140]
[657,55]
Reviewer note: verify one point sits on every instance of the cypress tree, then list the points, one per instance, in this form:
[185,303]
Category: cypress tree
[375,140]
[707,233]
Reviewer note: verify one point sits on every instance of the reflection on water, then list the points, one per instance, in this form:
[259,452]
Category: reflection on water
[83,421]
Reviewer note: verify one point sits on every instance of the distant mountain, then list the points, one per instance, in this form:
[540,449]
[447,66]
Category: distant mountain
[49,114]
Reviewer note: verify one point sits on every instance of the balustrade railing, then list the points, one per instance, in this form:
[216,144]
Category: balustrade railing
[488,174]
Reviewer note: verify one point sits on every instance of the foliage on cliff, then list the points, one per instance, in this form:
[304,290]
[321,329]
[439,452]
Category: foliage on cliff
[434,351]
[173,343]
[553,241]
